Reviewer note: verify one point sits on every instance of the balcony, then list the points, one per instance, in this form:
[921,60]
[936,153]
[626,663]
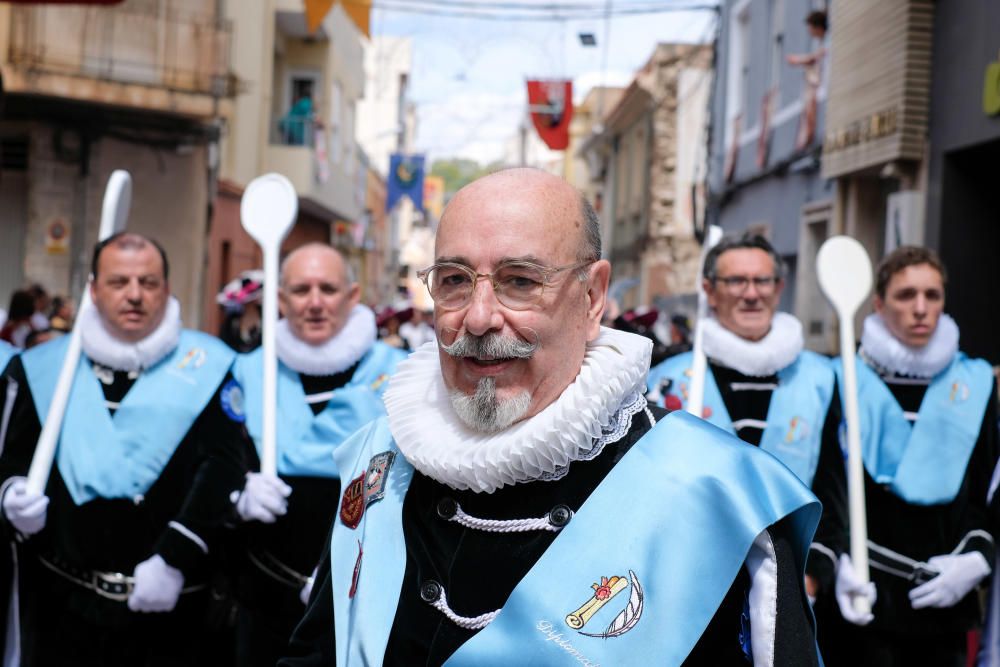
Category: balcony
[158,59]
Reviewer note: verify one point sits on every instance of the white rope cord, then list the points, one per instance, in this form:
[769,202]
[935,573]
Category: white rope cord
[467,622]
[498,526]
[649,415]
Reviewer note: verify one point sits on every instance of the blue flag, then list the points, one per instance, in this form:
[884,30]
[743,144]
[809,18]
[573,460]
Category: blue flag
[406,177]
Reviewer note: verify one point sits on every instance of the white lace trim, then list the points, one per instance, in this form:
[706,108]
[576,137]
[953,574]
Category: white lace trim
[101,346]
[778,349]
[615,430]
[888,353]
[338,354]
[439,445]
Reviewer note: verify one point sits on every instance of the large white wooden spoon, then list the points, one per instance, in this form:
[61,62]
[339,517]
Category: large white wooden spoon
[845,276]
[268,211]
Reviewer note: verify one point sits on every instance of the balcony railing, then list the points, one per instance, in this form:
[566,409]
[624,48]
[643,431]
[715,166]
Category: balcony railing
[159,47]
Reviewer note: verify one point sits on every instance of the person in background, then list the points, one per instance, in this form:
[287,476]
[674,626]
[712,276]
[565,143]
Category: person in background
[929,439]
[761,385]
[19,317]
[388,322]
[417,330]
[61,314]
[115,555]
[331,376]
[241,299]
[40,318]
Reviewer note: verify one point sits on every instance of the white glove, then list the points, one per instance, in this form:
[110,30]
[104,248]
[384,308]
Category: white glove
[960,573]
[308,587]
[25,511]
[848,587]
[157,586]
[263,498]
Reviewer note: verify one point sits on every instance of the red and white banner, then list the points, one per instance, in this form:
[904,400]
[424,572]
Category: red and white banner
[551,105]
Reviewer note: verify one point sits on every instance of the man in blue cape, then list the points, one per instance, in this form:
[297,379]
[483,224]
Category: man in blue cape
[331,377]
[521,501]
[762,386]
[929,444]
[115,557]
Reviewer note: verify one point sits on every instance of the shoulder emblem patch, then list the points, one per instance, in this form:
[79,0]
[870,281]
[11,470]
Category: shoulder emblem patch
[352,505]
[376,475]
[231,398]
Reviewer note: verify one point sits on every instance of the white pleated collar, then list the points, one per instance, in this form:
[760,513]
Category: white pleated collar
[439,445]
[775,351]
[338,354]
[101,346]
[888,353]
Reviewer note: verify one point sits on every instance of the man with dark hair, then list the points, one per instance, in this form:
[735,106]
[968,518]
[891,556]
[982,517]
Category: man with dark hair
[520,473]
[761,385]
[113,557]
[929,442]
[331,377]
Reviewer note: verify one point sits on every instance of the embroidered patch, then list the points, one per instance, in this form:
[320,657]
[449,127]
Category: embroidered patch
[352,505]
[604,592]
[379,381]
[798,429]
[194,358]
[356,575]
[231,398]
[376,476]
[959,392]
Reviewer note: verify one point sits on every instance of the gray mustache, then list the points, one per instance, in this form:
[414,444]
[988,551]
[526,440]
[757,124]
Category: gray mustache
[492,346]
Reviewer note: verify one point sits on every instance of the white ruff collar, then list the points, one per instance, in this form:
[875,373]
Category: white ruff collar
[778,349]
[337,354]
[890,354]
[101,346]
[439,445]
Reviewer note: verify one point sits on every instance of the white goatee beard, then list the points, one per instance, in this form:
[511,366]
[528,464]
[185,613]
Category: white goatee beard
[484,412]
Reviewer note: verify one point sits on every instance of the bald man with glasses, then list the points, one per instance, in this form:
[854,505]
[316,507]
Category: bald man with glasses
[763,387]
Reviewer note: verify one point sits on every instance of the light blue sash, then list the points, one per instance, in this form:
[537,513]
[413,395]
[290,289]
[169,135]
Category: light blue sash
[795,415]
[923,463]
[680,512]
[7,352]
[305,441]
[100,456]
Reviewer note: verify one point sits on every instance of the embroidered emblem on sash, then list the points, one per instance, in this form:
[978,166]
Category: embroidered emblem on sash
[604,592]
[352,505]
[375,478]
[231,398]
[379,381]
[357,573]
[798,429]
[959,392]
[194,358]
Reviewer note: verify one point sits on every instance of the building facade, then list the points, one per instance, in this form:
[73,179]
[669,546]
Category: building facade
[649,158]
[962,216]
[768,120]
[144,86]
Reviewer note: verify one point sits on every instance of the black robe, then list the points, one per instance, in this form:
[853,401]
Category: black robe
[290,548]
[460,559]
[64,623]
[919,532]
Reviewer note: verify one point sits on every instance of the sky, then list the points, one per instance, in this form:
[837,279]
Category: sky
[468,77]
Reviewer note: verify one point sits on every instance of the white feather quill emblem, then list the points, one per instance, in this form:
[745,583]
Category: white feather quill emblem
[629,616]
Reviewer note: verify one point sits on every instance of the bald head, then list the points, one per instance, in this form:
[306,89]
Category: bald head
[549,199]
[317,293]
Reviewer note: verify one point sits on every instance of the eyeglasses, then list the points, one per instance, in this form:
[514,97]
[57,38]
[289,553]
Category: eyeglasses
[517,285]
[737,285]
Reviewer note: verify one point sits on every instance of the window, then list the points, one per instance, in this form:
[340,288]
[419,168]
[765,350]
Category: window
[738,69]
[336,121]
